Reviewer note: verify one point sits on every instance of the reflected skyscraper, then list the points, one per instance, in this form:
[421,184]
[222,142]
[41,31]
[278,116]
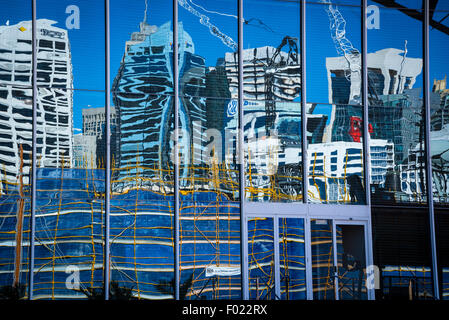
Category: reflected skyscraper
[94,122]
[143,96]
[54,100]
[439,135]
[395,114]
[272,114]
[270,74]
[390,75]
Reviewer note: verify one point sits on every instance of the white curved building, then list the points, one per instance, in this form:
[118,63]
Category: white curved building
[54,101]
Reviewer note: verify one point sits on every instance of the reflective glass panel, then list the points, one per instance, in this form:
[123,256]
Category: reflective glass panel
[272,108]
[333,43]
[292,259]
[396,117]
[334,111]
[261,259]
[70,196]
[70,158]
[439,115]
[402,251]
[351,262]
[210,211]
[322,259]
[142,199]
[15,146]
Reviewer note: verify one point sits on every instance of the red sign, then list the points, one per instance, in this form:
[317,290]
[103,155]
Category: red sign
[356,129]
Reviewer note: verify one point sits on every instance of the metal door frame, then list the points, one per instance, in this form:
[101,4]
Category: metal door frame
[277,267]
[339,214]
[368,253]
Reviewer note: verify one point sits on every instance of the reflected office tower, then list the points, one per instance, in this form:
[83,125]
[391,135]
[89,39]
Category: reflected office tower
[389,72]
[143,96]
[217,101]
[343,162]
[395,115]
[394,106]
[54,101]
[439,105]
[268,73]
[272,113]
[439,133]
[271,79]
[94,122]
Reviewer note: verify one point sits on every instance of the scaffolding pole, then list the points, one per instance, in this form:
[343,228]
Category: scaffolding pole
[34,154]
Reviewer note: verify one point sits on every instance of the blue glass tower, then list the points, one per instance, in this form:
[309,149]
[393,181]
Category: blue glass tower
[143,96]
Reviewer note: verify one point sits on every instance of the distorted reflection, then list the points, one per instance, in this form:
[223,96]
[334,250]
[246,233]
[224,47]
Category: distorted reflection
[72,136]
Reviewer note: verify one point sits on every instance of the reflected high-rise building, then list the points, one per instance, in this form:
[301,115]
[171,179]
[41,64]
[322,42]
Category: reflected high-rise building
[268,72]
[271,76]
[390,75]
[389,72]
[393,101]
[143,96]
[395,110]
[218,98]
[439,133]
[439,105]
[272,113]
[94,122]
[54,100]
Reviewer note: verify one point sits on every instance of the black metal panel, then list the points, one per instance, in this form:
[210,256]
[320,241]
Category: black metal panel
[401,236]
[442,236]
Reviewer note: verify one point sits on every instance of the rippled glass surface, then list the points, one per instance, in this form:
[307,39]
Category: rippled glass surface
[208,171]
[261,266]
[142,199]
[292,259]
[15,145]
[396,117]
[334,111]
[71,147]
[272,105]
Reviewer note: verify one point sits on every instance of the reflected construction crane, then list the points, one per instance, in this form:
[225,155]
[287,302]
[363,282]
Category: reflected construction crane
[342,44]
[344,47]
[205,21]
[271,66]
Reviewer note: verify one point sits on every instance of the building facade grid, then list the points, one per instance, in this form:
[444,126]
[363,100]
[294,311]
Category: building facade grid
[381,152]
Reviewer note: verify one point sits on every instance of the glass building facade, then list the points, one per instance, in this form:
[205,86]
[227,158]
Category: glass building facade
[226,149]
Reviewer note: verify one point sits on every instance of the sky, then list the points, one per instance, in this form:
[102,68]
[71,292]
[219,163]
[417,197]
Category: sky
[268,23]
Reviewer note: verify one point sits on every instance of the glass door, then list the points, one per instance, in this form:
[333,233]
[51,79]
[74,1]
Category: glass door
[339,260]
[261,258]
[323,260]
[351,261]
[292,259]
[276,258]
[277,250]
